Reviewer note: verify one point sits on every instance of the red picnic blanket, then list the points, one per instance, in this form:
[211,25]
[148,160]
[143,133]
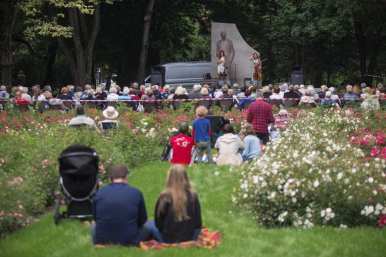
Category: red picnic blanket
[206,239]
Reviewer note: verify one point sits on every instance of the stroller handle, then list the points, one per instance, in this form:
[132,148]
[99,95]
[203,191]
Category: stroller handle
[94,154]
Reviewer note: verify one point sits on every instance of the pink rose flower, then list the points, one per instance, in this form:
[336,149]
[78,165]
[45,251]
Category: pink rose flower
[375,152]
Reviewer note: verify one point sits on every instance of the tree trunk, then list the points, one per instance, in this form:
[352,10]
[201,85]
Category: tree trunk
[49,61]
[79,52]
[8,14]
[108,80]
[145,41]
[361,46]
[373,62]
[329,63]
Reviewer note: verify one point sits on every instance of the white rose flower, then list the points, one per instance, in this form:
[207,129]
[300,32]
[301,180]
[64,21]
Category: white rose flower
[371,180]
[316,183]
[245,196]
[340,175]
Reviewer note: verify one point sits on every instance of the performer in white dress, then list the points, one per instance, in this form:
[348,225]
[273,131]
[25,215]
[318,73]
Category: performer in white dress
[221,68]
[256,73]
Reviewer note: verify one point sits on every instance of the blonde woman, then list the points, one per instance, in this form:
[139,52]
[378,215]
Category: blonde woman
[177,212]
[180,93]
[251,142]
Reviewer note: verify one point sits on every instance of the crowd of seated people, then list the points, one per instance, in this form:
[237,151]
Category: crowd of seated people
[356,95]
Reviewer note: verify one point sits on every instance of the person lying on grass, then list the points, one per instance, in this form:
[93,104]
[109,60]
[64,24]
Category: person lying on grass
[177,212]
[120,212]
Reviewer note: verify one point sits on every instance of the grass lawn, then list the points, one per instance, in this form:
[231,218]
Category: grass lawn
[241,235]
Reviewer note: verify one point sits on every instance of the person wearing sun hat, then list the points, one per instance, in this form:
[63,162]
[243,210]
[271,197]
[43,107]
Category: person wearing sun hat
[110,114]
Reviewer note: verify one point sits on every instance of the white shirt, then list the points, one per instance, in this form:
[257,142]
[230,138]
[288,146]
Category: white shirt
[276,96]
[112,97]
[218,94]
[41,98]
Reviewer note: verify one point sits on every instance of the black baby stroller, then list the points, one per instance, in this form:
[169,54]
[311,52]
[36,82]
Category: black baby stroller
[78,170]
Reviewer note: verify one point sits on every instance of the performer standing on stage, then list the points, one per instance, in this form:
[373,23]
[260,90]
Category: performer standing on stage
[256,74]
[221,68]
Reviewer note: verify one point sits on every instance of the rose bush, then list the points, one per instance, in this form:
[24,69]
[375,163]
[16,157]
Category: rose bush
[32,142]
[313,176]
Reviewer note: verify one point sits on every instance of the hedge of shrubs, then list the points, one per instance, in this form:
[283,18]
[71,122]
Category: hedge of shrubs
[323,171]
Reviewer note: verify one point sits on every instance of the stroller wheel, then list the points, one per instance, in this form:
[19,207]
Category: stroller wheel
[57,214]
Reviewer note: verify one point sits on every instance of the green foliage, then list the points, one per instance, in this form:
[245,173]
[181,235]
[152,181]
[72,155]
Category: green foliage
[31,167]
[240,235]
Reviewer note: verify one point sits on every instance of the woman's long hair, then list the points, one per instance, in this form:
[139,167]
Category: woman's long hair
[175,193]
[219,55]
[247,129]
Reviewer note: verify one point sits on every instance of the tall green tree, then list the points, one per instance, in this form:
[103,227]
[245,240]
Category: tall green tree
[8,15]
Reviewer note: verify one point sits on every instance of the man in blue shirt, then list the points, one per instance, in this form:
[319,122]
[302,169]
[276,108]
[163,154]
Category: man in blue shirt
[119,212]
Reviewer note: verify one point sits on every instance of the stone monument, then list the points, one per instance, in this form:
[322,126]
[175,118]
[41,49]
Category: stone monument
[226,37]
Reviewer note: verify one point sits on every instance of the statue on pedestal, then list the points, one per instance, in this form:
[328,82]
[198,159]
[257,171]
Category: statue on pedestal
[226,46]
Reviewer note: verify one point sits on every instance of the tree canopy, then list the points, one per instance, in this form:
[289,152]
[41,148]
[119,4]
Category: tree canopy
[62,42]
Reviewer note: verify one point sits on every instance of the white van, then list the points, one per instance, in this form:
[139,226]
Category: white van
[186,74]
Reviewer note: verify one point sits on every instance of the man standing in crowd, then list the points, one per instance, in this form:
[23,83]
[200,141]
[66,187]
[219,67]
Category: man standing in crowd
[119,212]
[182,146]
[260,116]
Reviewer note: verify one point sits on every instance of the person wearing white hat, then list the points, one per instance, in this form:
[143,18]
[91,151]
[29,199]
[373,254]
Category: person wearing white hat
[110,114]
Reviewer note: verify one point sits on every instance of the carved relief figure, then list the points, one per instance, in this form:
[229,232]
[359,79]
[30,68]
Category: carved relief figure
[226,46]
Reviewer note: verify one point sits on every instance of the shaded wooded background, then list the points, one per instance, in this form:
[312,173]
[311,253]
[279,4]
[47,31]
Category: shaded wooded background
[62,42]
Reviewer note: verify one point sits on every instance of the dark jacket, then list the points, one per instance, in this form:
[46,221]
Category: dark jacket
[119,210]
[183,96]
[291,94]
[194,95]
[267,94]
[173,231]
